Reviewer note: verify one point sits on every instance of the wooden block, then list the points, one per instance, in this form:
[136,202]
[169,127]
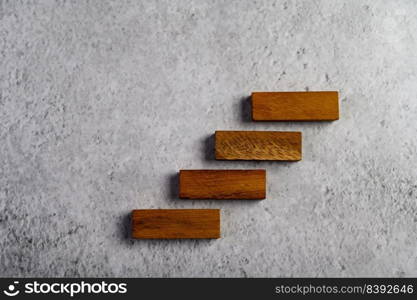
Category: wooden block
[176,224]
[295,106]
[222,184]
[258,145]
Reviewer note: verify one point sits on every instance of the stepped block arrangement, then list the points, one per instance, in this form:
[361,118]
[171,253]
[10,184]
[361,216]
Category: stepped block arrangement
[237,184]
[176,224]
[258,145]
[222,184]
[295,106]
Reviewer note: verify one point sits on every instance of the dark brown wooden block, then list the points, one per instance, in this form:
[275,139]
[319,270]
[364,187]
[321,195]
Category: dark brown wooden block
[176,223]
[258,145]
[222,184]
[295,106]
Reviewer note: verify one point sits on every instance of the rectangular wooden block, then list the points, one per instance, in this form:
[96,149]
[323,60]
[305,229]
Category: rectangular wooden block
[222,184]
[176,223]
[295,106]
[258,145]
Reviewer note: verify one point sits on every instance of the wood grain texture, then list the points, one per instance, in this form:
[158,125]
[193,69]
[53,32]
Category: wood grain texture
[176,223]
[223,184]
[258,145]
[295,106]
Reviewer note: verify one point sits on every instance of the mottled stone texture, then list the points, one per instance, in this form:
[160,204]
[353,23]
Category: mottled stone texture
[102,102]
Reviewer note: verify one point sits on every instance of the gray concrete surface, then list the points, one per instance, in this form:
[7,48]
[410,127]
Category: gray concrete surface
[102,102]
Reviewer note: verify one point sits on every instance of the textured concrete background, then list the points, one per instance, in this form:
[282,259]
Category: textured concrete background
[102,102]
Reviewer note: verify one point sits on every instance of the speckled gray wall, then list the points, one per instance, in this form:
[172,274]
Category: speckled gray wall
[102,102]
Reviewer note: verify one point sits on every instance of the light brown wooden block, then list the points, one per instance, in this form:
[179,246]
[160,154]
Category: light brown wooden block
[222,184]
[295,106]
[176,223]
[258,145]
